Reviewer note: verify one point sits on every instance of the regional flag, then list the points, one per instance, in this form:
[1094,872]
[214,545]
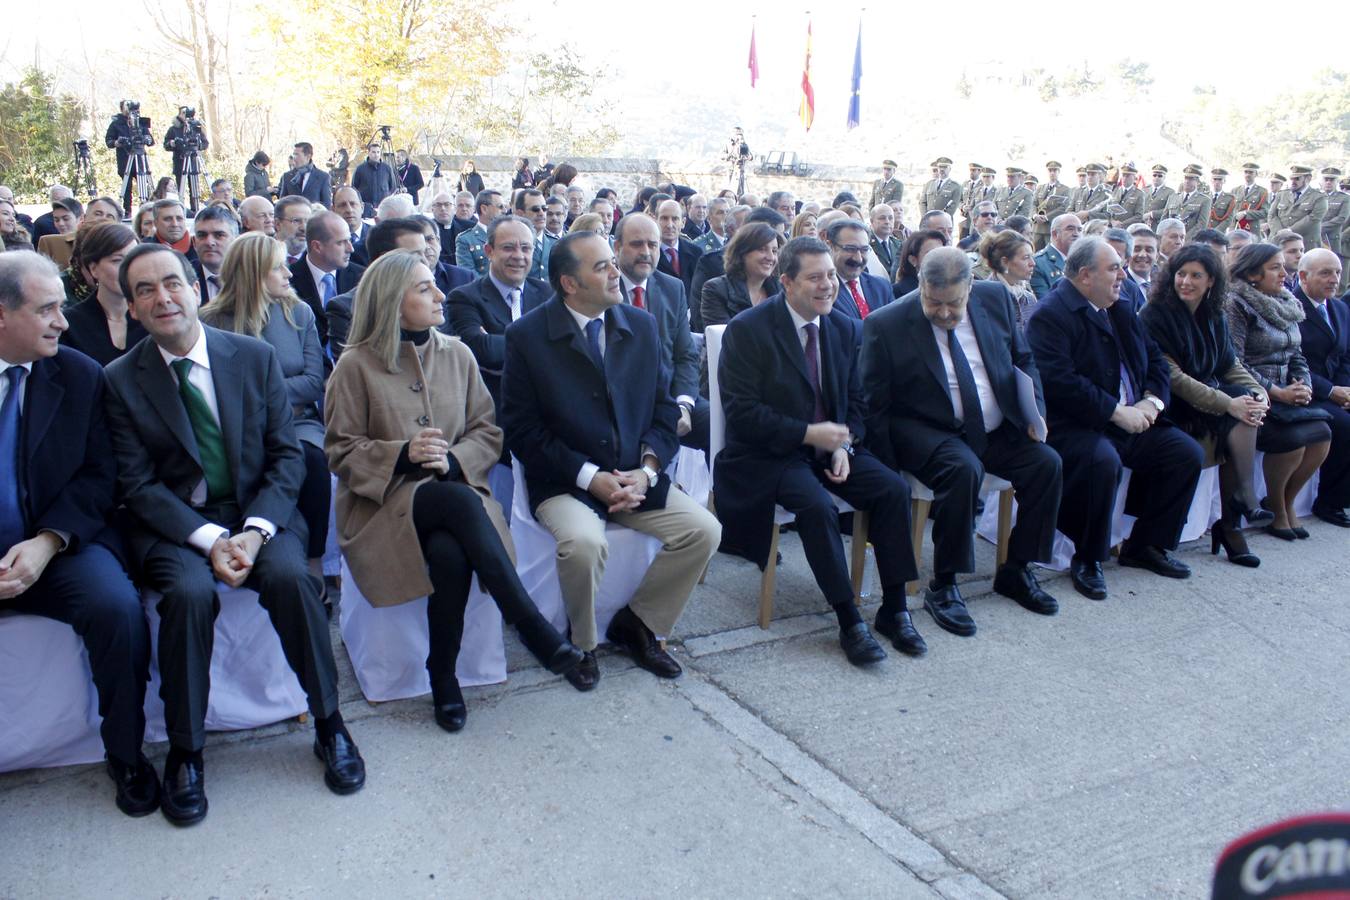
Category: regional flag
[808,106]
[754,57]
[855,99]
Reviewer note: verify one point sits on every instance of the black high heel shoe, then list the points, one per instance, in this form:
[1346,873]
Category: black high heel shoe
[1284,534]
[1258,516]
[1234,545]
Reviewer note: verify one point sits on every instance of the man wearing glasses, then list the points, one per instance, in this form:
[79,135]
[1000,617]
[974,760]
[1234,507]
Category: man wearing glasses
[859,292]
[292,214]
[530,206]
[984,218]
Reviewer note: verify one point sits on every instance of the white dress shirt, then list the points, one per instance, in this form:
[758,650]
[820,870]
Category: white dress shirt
[200,378]
[965,336]
[588,469]
[514,296]
[23,385]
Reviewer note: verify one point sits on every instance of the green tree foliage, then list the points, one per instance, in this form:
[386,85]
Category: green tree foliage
[37,129]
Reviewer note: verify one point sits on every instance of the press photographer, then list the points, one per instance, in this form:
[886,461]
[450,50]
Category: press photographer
[186,141]
[129,134]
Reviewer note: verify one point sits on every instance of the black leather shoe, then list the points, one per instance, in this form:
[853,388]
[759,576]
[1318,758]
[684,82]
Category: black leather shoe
[1088,579]
[1155,559]
[183,801]
[1284,534]
[948,610]
[586,675]
[1300,532]
[344,771]
[554,651]
[137,786]
[566,658]
[627,630]
[1019,583]
[859,646]
[1334,516]
[901,632]
[452,714]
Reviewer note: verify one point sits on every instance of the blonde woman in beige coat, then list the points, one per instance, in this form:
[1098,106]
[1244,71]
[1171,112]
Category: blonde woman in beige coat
[411,436]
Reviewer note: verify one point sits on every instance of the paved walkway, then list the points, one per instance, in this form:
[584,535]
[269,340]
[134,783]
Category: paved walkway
[1108,752]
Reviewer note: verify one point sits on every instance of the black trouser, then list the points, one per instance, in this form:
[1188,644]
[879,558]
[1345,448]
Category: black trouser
[1333,485]
[315,499]
[954,473]
[458,539]
[872,487]
[1165,465]
[188,608]
[89,591]
[699,419]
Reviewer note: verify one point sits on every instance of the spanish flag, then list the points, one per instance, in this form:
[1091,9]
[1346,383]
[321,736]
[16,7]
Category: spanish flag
[808,107]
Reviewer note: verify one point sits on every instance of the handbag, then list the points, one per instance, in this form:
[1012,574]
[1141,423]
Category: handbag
[1283,413]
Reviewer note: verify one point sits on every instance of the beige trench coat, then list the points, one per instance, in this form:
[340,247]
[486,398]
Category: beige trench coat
[370,415]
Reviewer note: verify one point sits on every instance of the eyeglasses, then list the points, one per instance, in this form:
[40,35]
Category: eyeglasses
[295,220]
[854,248]
[534,209]
[985,215]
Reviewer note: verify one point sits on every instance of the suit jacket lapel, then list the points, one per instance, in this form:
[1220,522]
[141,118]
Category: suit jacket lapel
[497,305]
[561,327]
[789,345]
[158,386]
[830,343]
[229,398]
[41,401]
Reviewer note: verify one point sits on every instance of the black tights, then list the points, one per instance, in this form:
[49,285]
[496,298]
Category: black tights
[316,497]
[458,539]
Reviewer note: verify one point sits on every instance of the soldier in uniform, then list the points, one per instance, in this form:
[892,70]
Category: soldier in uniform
[1052,198]
[1155,203]
[1082,186]
[1301,208]
[887,188]
[968,196]
[1189,204]
[1277,183]
[1095,196]
[1338,210]
[1253,202]
[1127,200]
[1015,200]
[1223,209]
[1344,250]
[942,192]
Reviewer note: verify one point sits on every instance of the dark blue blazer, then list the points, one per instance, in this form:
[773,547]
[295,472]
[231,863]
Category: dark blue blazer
[710,265]
[768,402]
[560,410]
[1079,363]
[876,291]
[478,315]
[68,475]
[689,254]
[302,282]
[450,276]
[1327,350]
[1132,291]
[909,408]
[666,301]
[318,187]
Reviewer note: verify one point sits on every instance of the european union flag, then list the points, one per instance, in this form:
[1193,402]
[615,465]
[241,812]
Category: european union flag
[855,101]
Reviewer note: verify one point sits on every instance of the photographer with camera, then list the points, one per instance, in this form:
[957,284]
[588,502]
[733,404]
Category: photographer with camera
[129,135]
[186,141]
[306,179]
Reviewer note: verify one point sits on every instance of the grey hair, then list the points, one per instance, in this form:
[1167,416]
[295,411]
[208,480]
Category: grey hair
[1082,255]
[1120,236]
[1059,220]
[395,206]
[1240,235]
[720,201]
[214,213]
[945,266]
[14,268]
[1167,225]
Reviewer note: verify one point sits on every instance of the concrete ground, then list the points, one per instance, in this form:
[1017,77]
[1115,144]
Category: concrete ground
[1111,751]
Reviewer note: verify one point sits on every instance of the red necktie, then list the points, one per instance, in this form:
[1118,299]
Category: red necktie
[863,308]
[673,255]
[637,298]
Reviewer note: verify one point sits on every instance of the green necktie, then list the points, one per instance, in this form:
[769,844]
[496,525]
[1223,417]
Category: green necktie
[210,444]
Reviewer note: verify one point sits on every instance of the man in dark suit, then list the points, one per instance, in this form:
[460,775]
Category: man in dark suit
[58,557]
[679,255]
[408,175]
[391,234]
[306,179]
[593,423]
[795,427]
[479,313]
[637,240]
[213,230]
[860,293]
[711,265]
[374,178]
[1106,388]
[529,205]
[1326,345]
[209,469]
[325,269]
[940,372]
[347,204]
[1122,242]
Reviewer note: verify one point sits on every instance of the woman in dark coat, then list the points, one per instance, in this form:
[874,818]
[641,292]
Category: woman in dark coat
[99,326]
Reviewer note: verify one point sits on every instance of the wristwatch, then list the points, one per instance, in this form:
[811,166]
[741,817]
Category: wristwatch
[262,533]
[652,476]
[1155,401]
[847,447]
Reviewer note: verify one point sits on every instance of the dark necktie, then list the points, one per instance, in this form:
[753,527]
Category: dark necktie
[205,428]
[972,423]
[12,527]
[1326,315]
[673,255]
[593,342]
[1126,382]
[813,369]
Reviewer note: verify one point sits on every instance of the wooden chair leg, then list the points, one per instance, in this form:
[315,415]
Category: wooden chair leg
[702,579]
[767,580]
[859,553]
[302,718]
[918,517]
[1005,511]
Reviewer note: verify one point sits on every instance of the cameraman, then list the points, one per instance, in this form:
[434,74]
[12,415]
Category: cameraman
[119,136]
[179,140]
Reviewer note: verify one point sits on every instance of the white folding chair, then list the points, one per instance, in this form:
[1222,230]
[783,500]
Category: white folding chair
[48,704]
[921,502]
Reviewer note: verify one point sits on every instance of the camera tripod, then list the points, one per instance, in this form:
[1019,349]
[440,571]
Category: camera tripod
[84,168]
[192,177]
[138,167]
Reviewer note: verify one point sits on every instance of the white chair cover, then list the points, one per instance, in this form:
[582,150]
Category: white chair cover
[630,553]
[48,705]
[251,682]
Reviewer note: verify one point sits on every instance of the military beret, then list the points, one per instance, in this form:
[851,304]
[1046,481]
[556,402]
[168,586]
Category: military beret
[1303,857]
[1250,167]
[987,171]
[942,161]
[1192,171]
[1160,169]
[890,163]
[1223,173]
[1296,171]
[1331,172]
[1053,165]
[1276,176]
